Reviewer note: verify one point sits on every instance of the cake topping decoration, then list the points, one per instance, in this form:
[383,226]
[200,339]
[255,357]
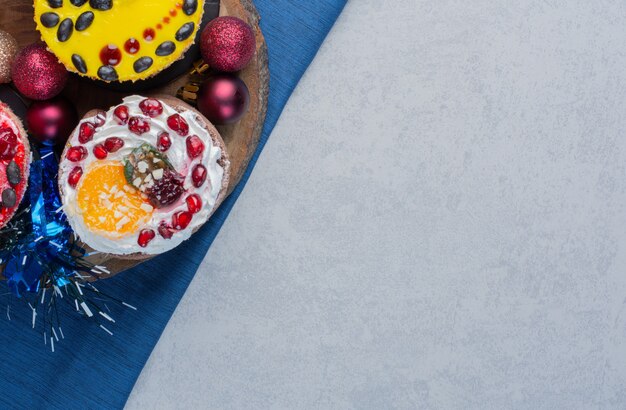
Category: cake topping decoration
[49,19]
[65,30]
[84,21]
[110,55]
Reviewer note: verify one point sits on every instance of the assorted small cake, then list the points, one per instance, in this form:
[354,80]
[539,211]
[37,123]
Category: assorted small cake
[14,163]
[118,40]
[141,178]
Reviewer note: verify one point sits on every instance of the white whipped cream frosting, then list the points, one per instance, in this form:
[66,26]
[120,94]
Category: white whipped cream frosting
[177,155]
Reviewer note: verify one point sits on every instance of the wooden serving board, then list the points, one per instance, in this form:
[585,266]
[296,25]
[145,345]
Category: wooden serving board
[16,17]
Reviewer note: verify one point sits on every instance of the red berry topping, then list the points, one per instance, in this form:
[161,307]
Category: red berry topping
[86,132]
[8,144]
[164,141]
[194,203]
[75,176]
[100,118]
[138,125]
[181,220]
[145,236]
[166,190]
[195,146]
[178,124]
[131,46]
[198,175]
[110,55]
[121,114]
[76,154]
[165,230]
[113,144]
[151,107]
[100,151]
[149,34]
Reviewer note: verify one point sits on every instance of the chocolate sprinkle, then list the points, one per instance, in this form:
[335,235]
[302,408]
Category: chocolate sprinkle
[142,64]
[101,5]
[107,73]
[185,31]
[65,30]
[9,198]
[84,21]
[49,19]
[14,176]
[79,63]
[165,49]
[190,7]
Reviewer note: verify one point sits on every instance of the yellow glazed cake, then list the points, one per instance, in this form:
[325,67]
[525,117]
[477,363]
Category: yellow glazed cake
[118,40]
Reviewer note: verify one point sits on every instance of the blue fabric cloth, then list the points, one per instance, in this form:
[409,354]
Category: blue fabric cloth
[91,369]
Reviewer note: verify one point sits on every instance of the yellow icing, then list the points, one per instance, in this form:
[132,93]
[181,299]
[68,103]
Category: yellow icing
[127,19]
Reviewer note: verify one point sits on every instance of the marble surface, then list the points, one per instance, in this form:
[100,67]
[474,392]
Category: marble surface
[438,221]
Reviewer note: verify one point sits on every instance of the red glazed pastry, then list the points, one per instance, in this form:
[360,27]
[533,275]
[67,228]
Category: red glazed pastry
[14,163]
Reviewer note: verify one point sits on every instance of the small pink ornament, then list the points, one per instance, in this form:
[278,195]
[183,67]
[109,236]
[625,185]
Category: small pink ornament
[227,44]
[51,122]
[223,99]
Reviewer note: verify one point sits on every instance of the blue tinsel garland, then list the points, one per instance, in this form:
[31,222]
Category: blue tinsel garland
[43,261]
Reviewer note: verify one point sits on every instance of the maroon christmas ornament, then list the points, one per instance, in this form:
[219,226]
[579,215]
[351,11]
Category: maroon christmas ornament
[37,73]
[227,44]
[52,121]
[223,99]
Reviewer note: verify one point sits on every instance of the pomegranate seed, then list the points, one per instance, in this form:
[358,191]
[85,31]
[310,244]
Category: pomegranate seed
[178,124]
[75,176]
[145,236]
[113,144]
[181,220]
[86,132]
[194,203]
[8,144]
[195,146]
[164,142]
[76,154]
[100,118]
[151,107]
[100,151]
[121,114]
[198,175]
[138,125]
[165,230]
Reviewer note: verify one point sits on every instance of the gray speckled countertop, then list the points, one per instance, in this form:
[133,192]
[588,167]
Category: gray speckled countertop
[438,221]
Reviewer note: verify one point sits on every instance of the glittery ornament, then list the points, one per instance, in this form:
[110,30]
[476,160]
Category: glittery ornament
[52,121]
[8,49]
[37,73]
[227,44]
[223,99]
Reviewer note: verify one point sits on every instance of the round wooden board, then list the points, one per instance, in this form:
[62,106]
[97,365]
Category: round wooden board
[242,138]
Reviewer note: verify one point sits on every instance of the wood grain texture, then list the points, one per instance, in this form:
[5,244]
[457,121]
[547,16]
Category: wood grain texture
[16,17]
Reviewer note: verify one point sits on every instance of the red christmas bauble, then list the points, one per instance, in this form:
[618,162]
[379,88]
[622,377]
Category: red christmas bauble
[223,99]
[227,44]
[37,73]
[52,121]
